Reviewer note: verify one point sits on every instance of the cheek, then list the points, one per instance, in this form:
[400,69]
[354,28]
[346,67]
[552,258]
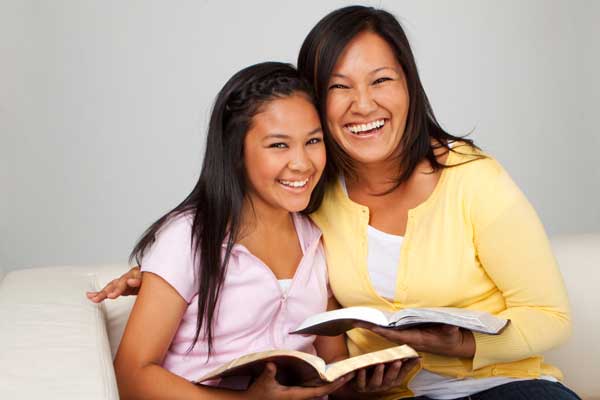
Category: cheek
[319,158]
[333,114]
[335,109]
[400,99]
[258,169]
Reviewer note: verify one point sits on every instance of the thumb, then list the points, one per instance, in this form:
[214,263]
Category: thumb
[448,329]
[270,370]
[267,376]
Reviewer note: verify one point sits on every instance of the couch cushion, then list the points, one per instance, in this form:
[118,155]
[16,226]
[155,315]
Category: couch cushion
[51,331]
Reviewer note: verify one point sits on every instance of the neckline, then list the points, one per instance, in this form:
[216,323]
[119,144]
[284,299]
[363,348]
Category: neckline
[307,246]
[341,182]
[379,234]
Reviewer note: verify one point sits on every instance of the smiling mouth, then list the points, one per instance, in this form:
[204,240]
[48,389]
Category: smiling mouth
[294,184]
[366,129]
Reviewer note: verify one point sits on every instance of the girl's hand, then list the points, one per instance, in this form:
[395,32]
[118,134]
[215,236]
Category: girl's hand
[266,387]
[126,285]
[384,376]
[446,340]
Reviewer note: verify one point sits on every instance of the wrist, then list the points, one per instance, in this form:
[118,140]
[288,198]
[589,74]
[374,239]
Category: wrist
[467,346]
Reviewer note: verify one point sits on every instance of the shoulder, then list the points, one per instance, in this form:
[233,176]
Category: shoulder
[173,238]
[177,225]
[474,166]
[335,208]
[486,188]
[171,256]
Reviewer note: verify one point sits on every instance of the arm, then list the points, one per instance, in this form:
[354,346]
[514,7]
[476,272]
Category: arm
[512,247]
[158,309]
[514,251]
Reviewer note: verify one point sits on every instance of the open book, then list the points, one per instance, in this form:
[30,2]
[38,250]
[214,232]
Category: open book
[336,322]
[298,368]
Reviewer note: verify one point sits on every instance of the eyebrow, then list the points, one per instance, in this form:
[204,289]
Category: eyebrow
[338,75]
[284,136]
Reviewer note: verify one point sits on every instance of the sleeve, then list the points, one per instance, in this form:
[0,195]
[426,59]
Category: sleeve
[513,249]
[171,257]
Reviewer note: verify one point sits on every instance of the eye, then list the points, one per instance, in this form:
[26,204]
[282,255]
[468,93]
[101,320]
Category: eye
[314,141]
[338,86]
[381,80]
[279,145]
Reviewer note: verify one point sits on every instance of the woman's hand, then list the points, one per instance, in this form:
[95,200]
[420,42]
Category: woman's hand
[126,285]
[266,387]
[382,378]
[446,340]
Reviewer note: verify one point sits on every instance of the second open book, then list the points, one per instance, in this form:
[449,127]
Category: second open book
[298,368]
[332,323]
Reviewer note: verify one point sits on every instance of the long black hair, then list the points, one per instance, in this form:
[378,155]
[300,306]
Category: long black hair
[216,200]
[319,54]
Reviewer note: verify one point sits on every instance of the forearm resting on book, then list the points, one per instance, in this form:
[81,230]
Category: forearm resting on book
[154,382]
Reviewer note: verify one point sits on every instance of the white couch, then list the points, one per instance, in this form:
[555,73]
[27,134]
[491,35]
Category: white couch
[55,344]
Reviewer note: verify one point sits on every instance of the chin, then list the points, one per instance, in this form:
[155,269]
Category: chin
[369,157]
[296,206]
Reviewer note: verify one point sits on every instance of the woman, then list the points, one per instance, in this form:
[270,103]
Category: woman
[414,216]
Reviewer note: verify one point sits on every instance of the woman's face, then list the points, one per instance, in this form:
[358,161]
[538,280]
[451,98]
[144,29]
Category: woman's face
[284,154]
[367,102]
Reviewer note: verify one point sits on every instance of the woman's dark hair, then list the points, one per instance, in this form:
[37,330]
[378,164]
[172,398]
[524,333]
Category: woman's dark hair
[216,200]
[316,61]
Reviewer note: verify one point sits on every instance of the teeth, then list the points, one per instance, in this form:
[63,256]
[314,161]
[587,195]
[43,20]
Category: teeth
[366,127]
[294,184]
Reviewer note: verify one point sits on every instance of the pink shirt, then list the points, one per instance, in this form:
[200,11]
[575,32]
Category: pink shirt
[253,313]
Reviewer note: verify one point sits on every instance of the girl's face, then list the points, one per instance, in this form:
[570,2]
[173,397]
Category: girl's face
[284,154]
[367,102]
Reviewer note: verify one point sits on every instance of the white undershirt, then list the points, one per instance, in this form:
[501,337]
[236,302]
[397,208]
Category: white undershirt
[284,284]
[383,251]
[382,262]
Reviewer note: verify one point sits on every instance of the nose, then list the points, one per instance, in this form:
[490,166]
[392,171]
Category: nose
[299,161]
[363,102]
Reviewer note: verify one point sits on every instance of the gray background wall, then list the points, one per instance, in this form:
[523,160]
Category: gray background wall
[103,105]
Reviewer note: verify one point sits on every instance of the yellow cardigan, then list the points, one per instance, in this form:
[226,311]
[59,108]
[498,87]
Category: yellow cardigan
[476,243]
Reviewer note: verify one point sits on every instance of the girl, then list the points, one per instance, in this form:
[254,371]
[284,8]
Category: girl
[235,266]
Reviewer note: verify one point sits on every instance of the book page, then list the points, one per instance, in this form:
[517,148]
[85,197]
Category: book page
[474,320]
[336,322]
[340,368]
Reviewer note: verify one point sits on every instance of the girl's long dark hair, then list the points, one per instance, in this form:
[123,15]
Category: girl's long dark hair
[217,198]
[319,54]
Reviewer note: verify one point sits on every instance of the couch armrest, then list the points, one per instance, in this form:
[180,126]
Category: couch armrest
[579,259]
[116,311]
[54,341]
